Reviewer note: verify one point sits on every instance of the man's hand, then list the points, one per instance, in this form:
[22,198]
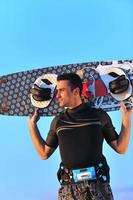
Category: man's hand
[126,114]
[35,117]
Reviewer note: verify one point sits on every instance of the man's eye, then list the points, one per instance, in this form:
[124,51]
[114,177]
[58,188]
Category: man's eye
[59,90]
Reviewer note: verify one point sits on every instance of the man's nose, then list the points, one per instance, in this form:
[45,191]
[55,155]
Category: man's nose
[57,95]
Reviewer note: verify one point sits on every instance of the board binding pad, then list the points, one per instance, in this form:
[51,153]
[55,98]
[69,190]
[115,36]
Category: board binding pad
[15,97]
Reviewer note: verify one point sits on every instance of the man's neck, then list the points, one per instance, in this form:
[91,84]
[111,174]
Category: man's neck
[75,105]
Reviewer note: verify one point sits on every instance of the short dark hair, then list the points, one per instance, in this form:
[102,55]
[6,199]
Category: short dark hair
[74,80]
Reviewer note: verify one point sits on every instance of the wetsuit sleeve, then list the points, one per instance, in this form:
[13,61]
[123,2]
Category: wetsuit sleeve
[108,129]
[52,138]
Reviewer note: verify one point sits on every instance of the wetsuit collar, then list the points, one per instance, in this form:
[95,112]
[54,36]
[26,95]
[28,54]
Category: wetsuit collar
[76,109]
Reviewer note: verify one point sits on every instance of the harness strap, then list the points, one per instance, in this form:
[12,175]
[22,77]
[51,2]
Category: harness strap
[67,176]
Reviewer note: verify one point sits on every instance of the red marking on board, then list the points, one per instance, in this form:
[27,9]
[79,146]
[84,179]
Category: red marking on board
[99,87]
[86,93]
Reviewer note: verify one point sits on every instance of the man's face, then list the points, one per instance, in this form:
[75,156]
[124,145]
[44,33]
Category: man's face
[64,94]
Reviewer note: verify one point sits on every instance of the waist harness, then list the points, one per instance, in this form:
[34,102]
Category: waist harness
[93,173]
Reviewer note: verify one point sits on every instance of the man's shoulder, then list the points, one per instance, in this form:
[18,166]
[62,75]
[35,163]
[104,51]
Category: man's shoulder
[98,112]
[89,107]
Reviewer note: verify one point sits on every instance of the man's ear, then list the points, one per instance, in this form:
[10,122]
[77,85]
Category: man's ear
[76,91]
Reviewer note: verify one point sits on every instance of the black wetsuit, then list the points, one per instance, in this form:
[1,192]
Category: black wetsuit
[80,133]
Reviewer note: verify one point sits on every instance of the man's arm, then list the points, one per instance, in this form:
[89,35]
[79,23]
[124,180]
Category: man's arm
[43,150]
[121,144]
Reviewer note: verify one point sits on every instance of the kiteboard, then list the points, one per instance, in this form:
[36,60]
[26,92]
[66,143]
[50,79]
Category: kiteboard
[100,80]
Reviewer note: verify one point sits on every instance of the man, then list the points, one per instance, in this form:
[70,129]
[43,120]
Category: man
[79,132]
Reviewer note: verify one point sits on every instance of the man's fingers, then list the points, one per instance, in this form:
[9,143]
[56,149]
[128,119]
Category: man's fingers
[36,110]
[122,107]
[36,115]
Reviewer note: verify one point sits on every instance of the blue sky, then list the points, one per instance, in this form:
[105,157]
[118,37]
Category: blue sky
[39,33]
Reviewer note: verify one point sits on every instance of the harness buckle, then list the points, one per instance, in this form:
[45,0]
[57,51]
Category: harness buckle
[84,174]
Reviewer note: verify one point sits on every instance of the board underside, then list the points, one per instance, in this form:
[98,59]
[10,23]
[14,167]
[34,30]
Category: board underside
[15,88]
